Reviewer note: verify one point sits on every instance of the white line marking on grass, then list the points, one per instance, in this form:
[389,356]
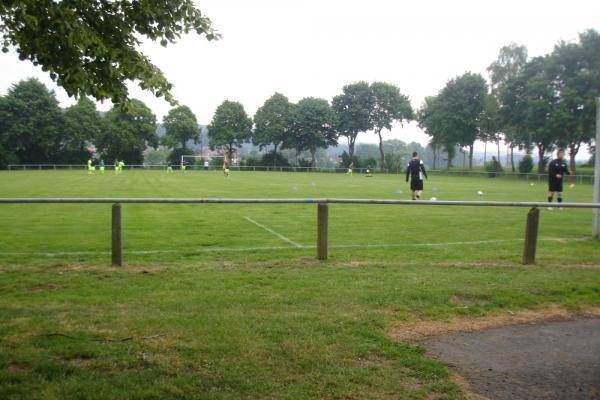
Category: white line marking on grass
[263,248]
[384,245]
[279,235]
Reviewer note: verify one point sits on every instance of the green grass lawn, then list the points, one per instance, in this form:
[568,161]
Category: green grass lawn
[242,313]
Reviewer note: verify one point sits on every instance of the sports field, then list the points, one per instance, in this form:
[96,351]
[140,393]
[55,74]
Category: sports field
[228,302]
[170,233]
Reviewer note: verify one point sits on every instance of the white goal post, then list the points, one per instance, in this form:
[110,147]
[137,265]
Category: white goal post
[183,157]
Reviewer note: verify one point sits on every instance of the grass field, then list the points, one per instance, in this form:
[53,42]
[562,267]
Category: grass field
[227,301]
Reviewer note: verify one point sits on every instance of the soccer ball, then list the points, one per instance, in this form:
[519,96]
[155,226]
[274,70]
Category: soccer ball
[433,199]
[434,189]
[572,186]
[531,184]
[479,193]
[294,188]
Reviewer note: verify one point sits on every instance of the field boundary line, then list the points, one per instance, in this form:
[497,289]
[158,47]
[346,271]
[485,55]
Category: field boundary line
[279,235]
[263,248]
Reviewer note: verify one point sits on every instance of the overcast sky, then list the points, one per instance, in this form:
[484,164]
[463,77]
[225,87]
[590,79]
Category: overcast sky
[313,48]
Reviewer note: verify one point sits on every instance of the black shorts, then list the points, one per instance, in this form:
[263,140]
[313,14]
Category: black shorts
[416,184]
[555,185]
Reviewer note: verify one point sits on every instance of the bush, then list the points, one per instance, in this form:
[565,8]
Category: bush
[493,167]
[345,162]
[526,164]
[175,156]
[304,163]
[274,160]
[251,161]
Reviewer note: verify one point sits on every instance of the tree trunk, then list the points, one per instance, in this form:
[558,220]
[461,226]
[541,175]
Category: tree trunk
[351,141]
[485,152]
[498,144]
[541,163]
[313,161]
[449,158]
[434,155]
[382,159]
[512,158]
[275,145]
[471,156]
[573,150]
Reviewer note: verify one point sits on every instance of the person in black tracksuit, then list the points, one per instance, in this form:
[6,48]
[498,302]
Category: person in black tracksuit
[557,169]
[416,171]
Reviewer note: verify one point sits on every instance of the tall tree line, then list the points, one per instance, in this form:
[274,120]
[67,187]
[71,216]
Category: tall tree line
[34,129]
[312,123]
[532,104]
[538,103]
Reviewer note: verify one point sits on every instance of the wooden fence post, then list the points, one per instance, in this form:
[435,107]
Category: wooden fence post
[531,234]
[117,239]
[322,227]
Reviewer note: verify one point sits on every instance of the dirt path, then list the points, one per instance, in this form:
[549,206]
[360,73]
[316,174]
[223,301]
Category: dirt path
[545,360]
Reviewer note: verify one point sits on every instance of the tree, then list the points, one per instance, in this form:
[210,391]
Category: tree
[31,122]
[530,104]
[127,133]
[507,67]
[181,126]
[230,128]
[273,122]
[398,153]
[82,126]
[353,110]
[90,47]
[6,155]
[490,124]
[389,106]
[575,72]
[462,105]
[431,119]
[509,64]
[313,127]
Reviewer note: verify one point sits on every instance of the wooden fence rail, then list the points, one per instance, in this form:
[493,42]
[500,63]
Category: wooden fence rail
[531,231]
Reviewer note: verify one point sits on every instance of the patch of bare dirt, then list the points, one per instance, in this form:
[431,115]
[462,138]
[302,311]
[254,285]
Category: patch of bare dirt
[18,367]
[467,301]
[309,261]
[80,361]
[416,330]
[44,287]
[228,264]
[146,269]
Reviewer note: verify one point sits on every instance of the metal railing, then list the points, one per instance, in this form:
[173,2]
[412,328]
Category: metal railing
[578,178]
[531,231]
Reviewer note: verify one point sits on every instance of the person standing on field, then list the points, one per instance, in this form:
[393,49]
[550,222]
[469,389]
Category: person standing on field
[416,171]
[556,173]
[225,168]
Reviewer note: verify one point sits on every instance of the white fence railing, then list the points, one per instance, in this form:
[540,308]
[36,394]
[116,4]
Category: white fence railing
[578,178]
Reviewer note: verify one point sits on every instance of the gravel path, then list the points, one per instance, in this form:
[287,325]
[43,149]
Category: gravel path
[550,360]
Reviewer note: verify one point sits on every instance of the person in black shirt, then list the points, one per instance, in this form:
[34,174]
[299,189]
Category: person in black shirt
[416,171]
[556,172]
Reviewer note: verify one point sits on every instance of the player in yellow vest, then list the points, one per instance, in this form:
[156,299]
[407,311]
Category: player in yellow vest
[225,168]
